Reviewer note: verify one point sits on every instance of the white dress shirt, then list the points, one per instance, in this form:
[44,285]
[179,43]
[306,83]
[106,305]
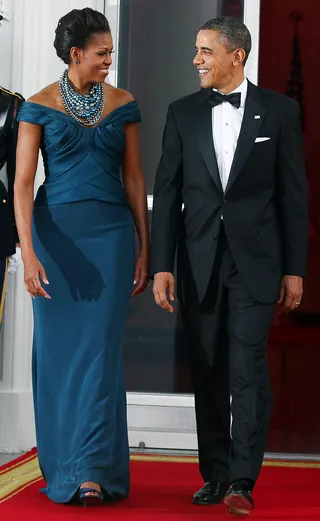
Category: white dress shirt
[226,125]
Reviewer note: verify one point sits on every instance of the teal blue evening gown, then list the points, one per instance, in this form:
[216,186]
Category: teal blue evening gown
[83,234]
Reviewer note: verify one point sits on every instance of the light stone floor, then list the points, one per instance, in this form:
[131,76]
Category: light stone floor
[5,458]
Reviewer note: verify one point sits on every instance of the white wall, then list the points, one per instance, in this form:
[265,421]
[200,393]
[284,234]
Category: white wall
[6,37]
[35,62]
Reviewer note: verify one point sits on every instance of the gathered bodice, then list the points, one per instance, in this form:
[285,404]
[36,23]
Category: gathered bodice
[80,162]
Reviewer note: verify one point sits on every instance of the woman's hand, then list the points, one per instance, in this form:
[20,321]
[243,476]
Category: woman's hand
[141,275]
[33,271]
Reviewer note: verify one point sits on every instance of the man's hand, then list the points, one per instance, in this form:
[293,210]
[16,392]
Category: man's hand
[164,284]
[290,293]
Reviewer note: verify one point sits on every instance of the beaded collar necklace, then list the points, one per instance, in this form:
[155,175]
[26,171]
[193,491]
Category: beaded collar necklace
[87,109]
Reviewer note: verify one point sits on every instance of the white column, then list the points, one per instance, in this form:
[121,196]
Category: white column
[112,12]
[252,20]
[34,65]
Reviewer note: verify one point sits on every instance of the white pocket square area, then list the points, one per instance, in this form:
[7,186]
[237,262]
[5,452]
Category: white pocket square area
[260,139]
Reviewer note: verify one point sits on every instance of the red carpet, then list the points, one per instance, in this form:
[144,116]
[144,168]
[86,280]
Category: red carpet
[162,491]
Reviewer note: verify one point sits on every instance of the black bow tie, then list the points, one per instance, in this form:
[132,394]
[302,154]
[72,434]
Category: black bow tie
[215,98]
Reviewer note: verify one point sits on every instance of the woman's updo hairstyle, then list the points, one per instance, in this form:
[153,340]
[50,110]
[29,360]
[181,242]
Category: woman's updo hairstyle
[75,30]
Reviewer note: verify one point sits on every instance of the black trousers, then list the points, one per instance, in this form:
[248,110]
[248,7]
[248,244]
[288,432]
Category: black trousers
[227,337]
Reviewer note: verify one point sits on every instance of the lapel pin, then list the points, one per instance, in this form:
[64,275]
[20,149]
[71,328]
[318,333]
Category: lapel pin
[257,116]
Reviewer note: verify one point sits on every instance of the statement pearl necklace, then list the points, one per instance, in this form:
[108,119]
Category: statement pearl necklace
[87,109]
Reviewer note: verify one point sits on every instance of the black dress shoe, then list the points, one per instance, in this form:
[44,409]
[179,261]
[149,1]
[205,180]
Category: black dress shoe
[239,497]
[212,493]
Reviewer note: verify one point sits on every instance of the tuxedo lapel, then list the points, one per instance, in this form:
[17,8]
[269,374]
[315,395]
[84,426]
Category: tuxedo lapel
[205,138]
[253,117]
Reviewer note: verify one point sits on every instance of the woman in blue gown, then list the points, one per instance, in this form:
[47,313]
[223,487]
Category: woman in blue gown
[81,240]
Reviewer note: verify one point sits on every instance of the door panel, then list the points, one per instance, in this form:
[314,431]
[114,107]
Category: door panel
[155,42]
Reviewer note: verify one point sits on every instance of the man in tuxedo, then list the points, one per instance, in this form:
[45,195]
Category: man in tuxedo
[231,196]
[10,103]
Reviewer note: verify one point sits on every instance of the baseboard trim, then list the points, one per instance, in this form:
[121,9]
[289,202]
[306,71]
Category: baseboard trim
[17,433]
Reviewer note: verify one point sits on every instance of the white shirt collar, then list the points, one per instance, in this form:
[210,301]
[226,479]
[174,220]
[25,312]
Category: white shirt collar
[243,89]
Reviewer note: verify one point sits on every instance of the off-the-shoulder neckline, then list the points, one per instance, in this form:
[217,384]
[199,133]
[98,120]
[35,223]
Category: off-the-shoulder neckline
[65,115]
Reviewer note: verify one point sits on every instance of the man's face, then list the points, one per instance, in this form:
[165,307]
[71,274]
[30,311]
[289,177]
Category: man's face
[213,61]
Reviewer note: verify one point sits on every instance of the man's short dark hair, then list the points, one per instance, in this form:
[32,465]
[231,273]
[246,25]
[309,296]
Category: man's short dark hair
[233,33]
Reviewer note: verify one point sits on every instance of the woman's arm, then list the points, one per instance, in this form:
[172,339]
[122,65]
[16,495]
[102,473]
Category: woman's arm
[135,187]
[29,138]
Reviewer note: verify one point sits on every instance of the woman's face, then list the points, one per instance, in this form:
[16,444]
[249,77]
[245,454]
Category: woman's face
[95,59]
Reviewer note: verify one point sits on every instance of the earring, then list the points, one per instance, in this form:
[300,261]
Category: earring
[78,61]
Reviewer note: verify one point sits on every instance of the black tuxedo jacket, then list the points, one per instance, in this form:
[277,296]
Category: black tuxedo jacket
[264,207]
[10,103]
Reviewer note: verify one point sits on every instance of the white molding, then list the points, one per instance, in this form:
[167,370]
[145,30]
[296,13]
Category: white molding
[161,421]
[112,12]
[162,440]
[252,21]
[160,400]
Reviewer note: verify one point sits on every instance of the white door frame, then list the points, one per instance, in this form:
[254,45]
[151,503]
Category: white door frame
[167,421]
[252,21]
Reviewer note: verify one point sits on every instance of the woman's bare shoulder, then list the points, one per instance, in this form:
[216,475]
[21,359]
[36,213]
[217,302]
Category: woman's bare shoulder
[47,96]
[120,96]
